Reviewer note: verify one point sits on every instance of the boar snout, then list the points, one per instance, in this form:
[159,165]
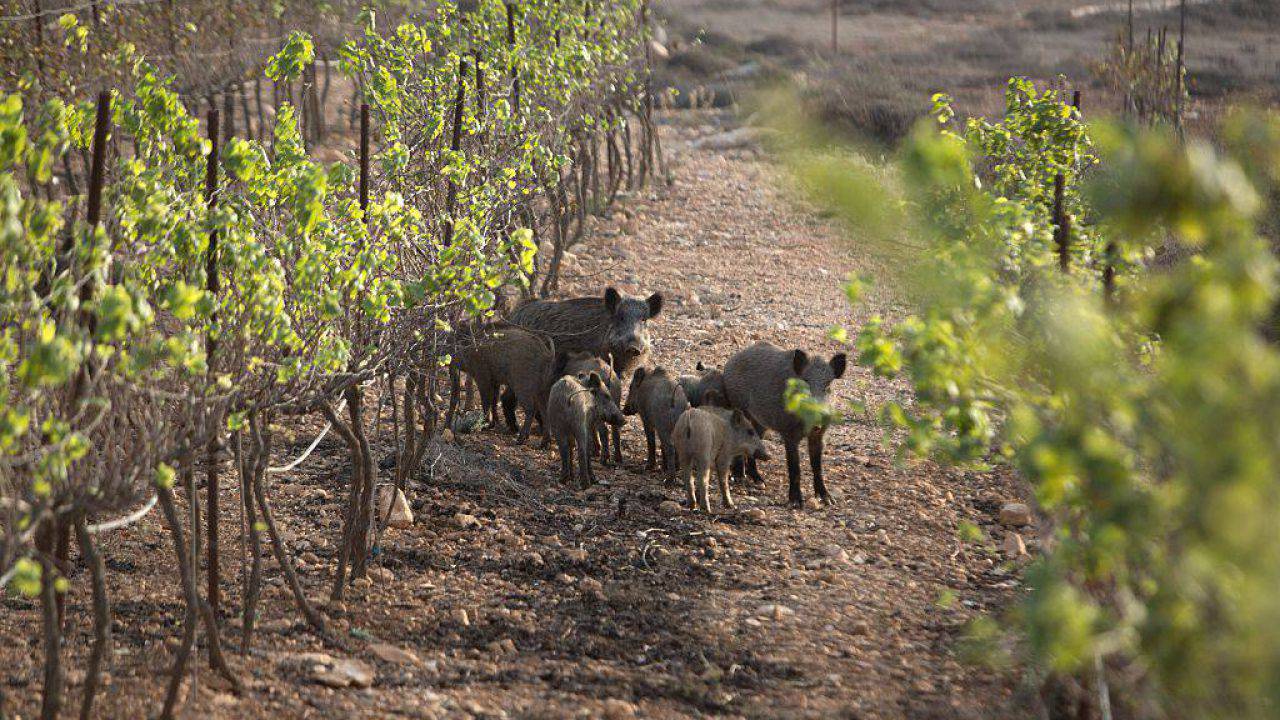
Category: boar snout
[761,454]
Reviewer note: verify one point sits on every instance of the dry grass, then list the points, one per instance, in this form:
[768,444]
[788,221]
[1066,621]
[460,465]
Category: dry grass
[893,55]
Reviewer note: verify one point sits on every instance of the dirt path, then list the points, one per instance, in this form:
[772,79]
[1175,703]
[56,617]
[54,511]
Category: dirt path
[520,598]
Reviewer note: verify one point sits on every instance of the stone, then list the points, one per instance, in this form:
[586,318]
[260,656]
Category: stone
[310,558]
[389,653]
[461,617]
[344,673]
[1014,547]
[775,611]
[753,515]
[670,507]
[1015,514]
[392,500]
[465,521]
[505,646]
[446,436]
[381,575]
[615,709]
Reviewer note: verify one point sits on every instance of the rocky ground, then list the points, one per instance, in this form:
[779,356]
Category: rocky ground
[510,595]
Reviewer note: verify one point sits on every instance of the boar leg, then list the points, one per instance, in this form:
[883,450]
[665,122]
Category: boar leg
[617,445]
[525,427]
[488,402]
[722,476]
[753,471]
[704,480]
[650,439]
[815,462]
[602,437]
[588,478]
[687,473]
[793,473]
[508,410]
[566,458]
[453,398]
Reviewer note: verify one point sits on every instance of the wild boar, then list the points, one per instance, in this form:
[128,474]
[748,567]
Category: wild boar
[536,379]
[755,382]
[575,410]
[489,353]
[580,364]
[707,440]
[659,401]
[697,386]
[611,326]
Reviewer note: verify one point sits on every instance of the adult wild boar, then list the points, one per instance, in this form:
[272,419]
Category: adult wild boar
[755,381]
[611,326]
[491,353]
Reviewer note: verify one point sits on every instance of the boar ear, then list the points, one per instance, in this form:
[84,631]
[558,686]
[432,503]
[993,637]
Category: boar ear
[594,381]
[655,304]
[639,375]
[799,361]
[611,299]
[838,363]
[700,367]
[739,418]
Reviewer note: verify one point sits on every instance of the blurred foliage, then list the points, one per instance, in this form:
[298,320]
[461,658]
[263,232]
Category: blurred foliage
[1148,426]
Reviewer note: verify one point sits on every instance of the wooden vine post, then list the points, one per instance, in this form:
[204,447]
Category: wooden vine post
[835,27]
[1061,220]
[364,157]
[455,144]
[515,73]
[210,347]
[53,540]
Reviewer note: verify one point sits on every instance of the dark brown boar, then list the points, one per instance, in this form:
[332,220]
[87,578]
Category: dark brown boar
[697,387]
[490,353]
[755,382]
[575,411]
[707,440]
[659,401]
[611,326]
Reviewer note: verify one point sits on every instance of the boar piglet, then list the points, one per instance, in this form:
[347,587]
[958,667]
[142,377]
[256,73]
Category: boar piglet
[612,326]
[756,380]
[581,364]
[659,401]
[575,410]
[707,440]
[698,387]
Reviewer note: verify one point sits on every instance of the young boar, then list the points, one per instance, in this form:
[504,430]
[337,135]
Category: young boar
[755,381]
[491,354]
[659,401]
[611,326]
[707,440]
[575,410]
[580,364]
[696,387]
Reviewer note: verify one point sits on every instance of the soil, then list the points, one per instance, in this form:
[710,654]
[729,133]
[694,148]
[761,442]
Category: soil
[516,596]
